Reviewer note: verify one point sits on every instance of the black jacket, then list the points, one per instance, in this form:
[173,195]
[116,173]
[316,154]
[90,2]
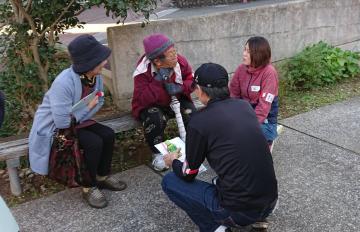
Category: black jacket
[227,133]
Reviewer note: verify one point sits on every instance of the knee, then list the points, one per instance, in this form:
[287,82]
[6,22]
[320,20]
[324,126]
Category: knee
[109,134]
[153,118]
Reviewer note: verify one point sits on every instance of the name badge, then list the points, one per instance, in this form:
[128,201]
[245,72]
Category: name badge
[255,88]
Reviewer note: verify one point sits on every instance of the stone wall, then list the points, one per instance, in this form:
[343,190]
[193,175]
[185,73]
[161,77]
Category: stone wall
[220,37]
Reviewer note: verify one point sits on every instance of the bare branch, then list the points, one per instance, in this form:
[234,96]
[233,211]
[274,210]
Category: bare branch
[51,37]
[80,11]
[27,16]
[28,5]
[15,9]
[58,19]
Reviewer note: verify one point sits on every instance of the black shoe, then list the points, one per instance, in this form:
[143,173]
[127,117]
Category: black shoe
[95,198]
[260,225]
[112,183]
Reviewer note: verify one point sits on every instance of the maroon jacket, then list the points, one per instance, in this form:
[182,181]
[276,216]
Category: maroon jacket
[149,92]
[259,87]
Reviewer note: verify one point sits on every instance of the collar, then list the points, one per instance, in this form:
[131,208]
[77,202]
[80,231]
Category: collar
[257,70]
[143,68]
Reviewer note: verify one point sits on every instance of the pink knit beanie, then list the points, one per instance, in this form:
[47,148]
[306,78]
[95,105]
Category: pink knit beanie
[156,44]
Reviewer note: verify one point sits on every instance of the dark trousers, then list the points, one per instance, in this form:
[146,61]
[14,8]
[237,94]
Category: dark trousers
[154,121]
[200,201]
[97,141]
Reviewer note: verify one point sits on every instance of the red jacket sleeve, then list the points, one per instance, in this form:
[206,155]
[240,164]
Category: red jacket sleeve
[269,90]
[148,91]
[234,86]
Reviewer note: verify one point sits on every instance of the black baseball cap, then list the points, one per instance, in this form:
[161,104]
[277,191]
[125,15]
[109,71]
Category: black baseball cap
[211,75]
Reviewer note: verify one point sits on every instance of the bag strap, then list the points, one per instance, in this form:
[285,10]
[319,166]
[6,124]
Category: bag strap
[73,126]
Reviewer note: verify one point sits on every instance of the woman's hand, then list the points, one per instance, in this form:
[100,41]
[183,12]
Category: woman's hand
[93,102]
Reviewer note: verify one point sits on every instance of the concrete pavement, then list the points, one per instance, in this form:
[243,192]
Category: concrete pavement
[317,166]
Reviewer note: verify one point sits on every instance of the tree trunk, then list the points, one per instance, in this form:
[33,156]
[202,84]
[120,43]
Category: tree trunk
[42,68]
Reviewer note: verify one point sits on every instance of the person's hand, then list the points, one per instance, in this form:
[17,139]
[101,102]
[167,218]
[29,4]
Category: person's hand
[163,74]
[93,102]
[169,158]
[173,89]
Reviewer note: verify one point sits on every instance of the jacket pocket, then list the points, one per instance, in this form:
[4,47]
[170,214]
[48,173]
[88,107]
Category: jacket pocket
[41,145]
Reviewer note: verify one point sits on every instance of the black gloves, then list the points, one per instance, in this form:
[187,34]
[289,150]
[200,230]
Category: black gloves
[173,88]
[163,74]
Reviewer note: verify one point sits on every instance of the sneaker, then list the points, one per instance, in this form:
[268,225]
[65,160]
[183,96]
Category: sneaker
[112,183]
[95,198]
[222,228]
[158,163]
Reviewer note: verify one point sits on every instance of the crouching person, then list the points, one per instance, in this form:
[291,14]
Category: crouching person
[226,133]
[160,74]
[55,112]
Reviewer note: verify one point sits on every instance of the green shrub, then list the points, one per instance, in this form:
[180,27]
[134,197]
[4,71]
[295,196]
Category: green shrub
[23,92]
[319,65]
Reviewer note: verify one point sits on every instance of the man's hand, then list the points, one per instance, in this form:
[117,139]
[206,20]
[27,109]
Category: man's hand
[163,74]
[169,158]
[173,89]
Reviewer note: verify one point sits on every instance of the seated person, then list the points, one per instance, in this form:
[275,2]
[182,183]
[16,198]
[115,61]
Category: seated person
[160,73]
[55,112]
[226,133]
[256,81]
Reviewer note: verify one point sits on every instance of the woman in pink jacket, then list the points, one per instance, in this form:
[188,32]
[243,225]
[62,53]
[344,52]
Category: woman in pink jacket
[256,81]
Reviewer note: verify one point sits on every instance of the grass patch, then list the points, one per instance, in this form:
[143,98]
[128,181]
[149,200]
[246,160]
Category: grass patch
[297,102]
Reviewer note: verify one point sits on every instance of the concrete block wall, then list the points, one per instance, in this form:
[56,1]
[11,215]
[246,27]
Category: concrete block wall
[220,37]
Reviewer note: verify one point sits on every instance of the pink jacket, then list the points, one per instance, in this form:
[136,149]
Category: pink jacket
[259,87]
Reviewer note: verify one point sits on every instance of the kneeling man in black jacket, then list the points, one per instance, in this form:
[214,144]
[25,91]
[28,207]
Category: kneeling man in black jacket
[226,133]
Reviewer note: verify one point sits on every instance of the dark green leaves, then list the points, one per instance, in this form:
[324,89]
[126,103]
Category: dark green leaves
[318,65]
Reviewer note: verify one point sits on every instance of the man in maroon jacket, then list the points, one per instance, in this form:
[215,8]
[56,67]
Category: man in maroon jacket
[160,74]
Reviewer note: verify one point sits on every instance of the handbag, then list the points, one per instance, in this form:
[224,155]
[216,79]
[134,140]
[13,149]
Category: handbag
[67,163]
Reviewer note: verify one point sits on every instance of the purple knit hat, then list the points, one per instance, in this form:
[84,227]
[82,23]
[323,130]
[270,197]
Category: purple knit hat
[156,44]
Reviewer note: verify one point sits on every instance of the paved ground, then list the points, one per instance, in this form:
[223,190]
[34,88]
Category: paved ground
[317,167]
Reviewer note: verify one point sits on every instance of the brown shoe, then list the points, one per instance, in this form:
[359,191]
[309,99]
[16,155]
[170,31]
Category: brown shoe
[112,183]
[95,198]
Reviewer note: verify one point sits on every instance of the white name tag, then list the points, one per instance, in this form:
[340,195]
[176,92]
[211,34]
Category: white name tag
[255,88]
[269,97]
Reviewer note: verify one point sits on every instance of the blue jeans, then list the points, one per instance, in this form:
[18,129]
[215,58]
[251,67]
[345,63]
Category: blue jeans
[199,200]
[270,131]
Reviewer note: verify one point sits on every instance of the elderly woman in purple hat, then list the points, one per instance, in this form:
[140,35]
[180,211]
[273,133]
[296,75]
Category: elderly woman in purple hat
[160,73]
[56,112]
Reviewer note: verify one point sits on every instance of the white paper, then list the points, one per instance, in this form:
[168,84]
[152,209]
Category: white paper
[84,102]
[179,144]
